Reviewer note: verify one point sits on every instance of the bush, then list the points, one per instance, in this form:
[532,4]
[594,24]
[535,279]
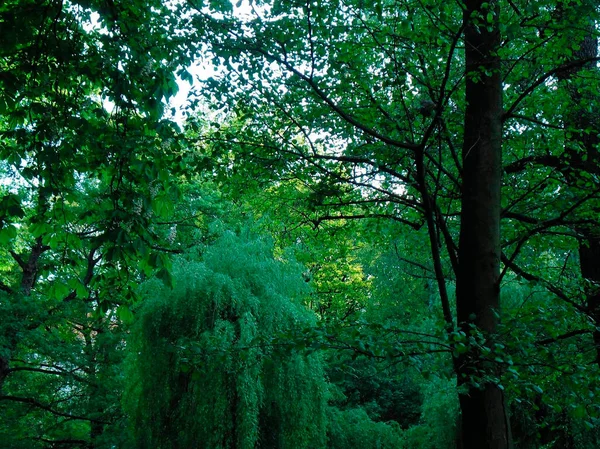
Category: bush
[353,429]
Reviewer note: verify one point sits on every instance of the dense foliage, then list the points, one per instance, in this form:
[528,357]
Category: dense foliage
[367,225]
[203,373]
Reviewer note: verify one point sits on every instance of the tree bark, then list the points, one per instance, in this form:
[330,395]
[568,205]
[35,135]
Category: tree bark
[484,420]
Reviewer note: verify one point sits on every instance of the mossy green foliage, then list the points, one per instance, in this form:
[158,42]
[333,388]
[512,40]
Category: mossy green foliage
[201,371]
[437,428]
[354,429]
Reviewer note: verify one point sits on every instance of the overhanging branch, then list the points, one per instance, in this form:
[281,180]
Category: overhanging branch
[37,404]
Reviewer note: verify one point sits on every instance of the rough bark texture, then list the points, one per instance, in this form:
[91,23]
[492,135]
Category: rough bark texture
[484,419]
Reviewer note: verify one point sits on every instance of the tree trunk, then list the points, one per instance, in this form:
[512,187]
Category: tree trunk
[95,351]
[484,419]
[4,370]
[30,269]
[589,260]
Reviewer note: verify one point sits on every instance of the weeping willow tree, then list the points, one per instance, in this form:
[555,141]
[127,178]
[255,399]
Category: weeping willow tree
[200,372]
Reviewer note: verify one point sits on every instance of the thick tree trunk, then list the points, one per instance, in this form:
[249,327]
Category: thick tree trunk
[589,260]
[484,419]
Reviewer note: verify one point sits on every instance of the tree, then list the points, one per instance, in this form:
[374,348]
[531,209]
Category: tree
[378,97]
[336,125]
[205,366]
[485,420]
[581,144]
[85,160]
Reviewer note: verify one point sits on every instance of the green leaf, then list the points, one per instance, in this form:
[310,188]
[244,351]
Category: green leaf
[379,9]
[59,290]
[165,276]
[125,314]
[7,234]
[579,412]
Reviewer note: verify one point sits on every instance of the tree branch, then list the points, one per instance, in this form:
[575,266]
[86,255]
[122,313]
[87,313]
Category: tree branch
[574,333]
[581,62]
[318,220]
[49,409]
[332,104]
[5,288]
[536,121]
[531,277]
[53,443]
[545,160]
